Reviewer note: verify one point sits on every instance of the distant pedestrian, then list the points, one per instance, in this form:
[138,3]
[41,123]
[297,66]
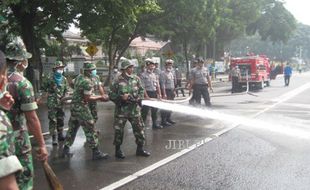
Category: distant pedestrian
[287,74]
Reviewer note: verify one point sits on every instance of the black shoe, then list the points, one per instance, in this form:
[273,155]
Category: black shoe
[61,137]
[170,121]
[66,152]
[165,124]
[119,154]
[98,155]
[141,152]
[157,126]
[54,140]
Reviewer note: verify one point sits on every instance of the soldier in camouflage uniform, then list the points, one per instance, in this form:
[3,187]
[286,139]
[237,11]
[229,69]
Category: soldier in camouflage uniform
[81,114]
[126,93]
[150,82]
[56,87]
[23,114]
[9,163]
[98,89]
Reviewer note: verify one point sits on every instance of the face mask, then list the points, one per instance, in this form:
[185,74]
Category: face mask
[94,72]
[58,78]
[59,71]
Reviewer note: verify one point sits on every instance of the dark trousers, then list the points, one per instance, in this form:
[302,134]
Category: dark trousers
[234,84]
[145,109]
[165,115]
[179,84]
[201,90]
[287,80]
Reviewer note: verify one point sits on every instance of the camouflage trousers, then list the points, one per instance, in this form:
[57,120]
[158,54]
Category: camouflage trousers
[137,126]
[93,110]
[23,152]
[56,120]
[88,127]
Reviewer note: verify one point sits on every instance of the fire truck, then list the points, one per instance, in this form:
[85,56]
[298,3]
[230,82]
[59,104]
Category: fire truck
[254,70]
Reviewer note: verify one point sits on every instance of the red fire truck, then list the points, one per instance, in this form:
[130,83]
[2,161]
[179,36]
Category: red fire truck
[254,70]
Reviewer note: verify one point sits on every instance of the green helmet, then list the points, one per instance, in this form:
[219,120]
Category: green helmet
[58,64]
[125,64]
[17,51]
[89,66]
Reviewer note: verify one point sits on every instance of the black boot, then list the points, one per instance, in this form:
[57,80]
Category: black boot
[141,152]
[54,140]
[119,153]
[170,121]
[155,126]
[66,152]
[61,137]
[98,155]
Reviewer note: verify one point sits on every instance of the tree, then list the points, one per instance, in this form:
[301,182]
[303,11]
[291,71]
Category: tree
[115,23]
[276,23]
[189,23]
[34,20]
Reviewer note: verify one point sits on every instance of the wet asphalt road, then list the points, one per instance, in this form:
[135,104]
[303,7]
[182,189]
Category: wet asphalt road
[242,158]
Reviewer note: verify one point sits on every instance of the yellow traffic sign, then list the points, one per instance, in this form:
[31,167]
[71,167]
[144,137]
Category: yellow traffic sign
[92,50]
[168,54]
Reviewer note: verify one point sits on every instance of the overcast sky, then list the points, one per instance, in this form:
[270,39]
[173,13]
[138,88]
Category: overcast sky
[300,9]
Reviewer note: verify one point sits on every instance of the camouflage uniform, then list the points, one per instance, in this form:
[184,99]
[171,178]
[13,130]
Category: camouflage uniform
[93,105]
[22,91]
[81,115]
[9,163]
[126,110]
[55,110]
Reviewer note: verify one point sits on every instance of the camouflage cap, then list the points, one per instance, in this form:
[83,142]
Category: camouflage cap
[125,64]
[169,61]
[17,51]
[89,66]
[58,64]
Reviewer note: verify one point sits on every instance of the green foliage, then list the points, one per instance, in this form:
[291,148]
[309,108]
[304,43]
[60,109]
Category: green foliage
[275,24]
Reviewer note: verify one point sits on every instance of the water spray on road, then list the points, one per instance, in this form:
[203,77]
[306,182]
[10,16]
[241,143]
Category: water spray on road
[206,113]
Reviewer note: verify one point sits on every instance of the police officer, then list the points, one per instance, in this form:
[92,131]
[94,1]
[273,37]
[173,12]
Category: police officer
[23,114]
[168,91]
[150,82]
[235,75]
[126,93]
[200,81]
[56,87]
[9,163]
[81,114]
[178,81]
